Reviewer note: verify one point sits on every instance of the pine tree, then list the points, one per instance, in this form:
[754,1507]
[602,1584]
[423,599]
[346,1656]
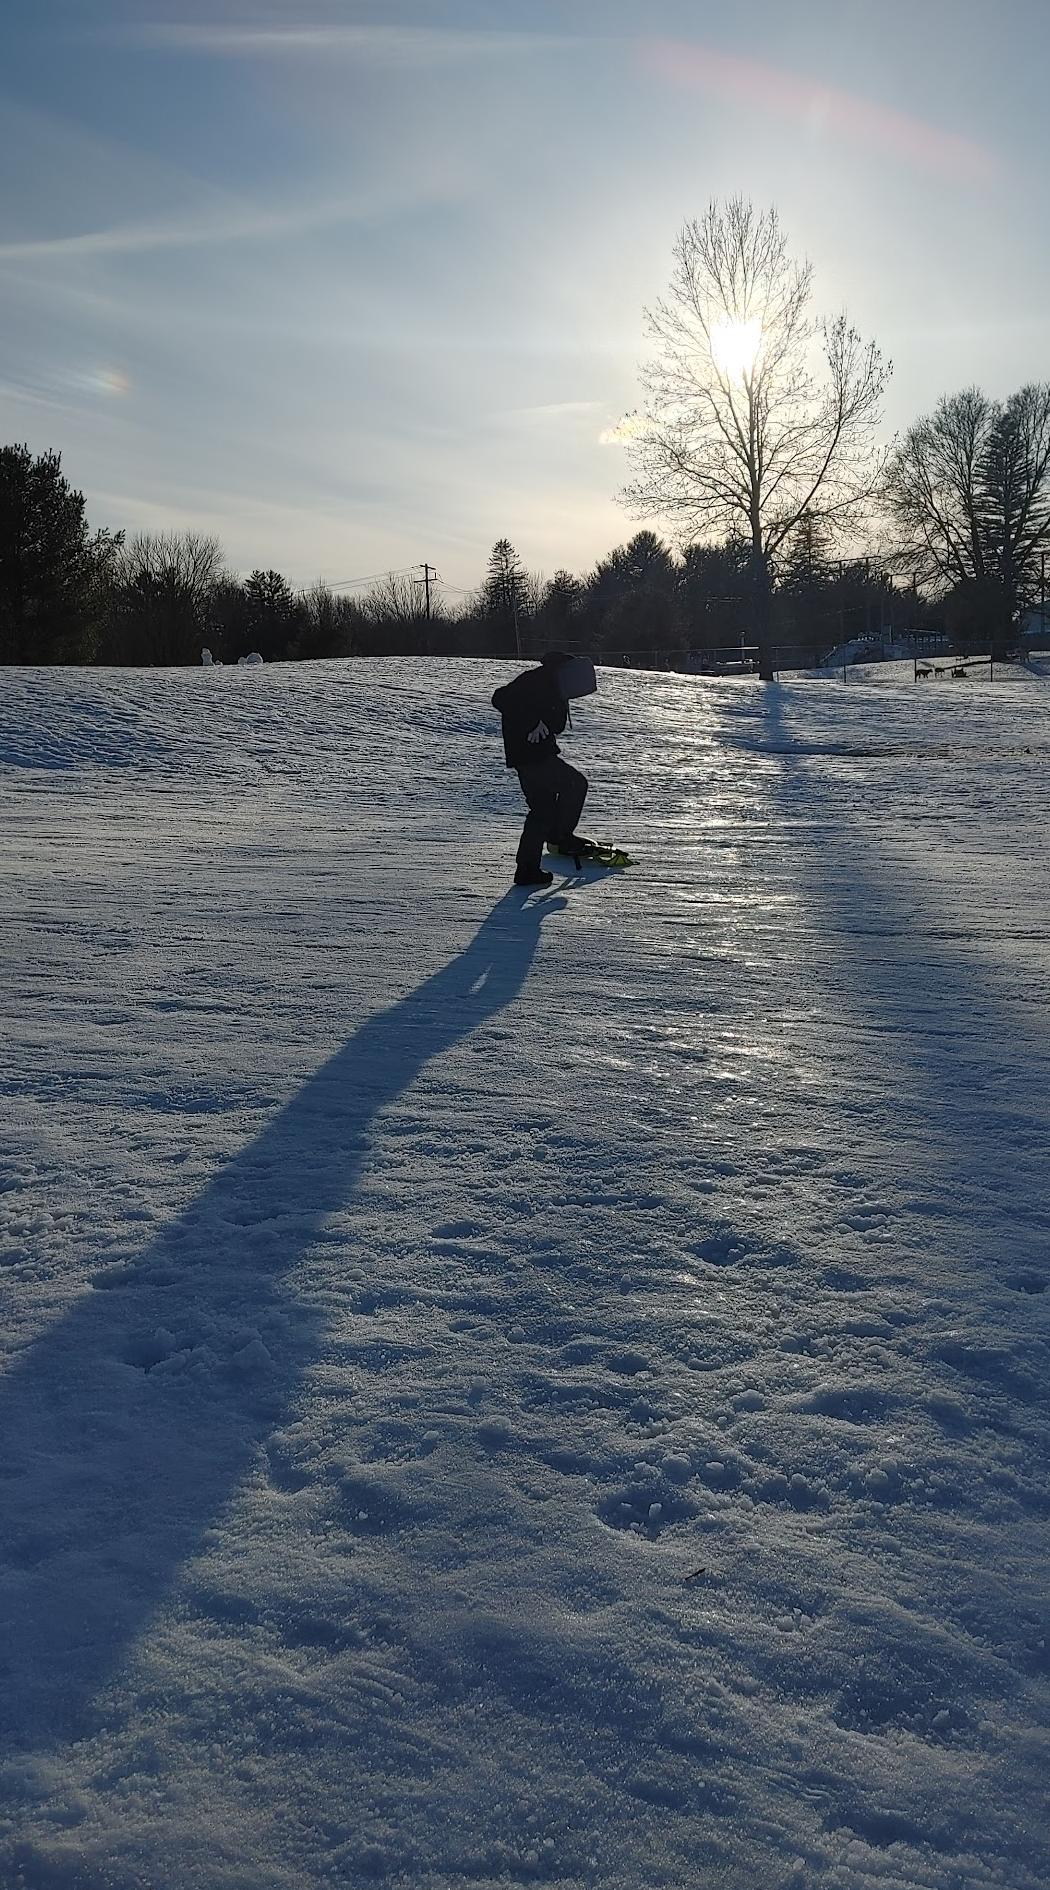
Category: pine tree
[560,607]
[504,594]
[806,564]
[715,592]
[52,570]
[272,614]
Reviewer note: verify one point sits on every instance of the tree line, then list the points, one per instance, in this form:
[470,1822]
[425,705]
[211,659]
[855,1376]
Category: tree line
[758,445]
[70,595]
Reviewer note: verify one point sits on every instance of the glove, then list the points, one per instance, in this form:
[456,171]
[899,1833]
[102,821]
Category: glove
[539,733]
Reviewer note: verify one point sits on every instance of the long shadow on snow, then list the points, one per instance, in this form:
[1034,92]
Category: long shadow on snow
[962,1058]
[131,1422]
[973,1105]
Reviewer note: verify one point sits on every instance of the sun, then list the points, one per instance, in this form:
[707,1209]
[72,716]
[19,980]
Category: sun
[735,346]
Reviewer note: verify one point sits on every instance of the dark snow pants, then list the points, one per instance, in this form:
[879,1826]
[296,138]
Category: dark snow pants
[555,794]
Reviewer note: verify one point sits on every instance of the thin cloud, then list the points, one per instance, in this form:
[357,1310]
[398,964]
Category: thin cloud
[19,393]
[548,410]
[234,224]
[72,391]
[411,46]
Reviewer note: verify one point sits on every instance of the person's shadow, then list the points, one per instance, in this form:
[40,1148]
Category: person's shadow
[127,1427]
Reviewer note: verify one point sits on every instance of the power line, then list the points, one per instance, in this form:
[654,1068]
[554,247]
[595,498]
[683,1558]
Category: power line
[346,584]
[429,577]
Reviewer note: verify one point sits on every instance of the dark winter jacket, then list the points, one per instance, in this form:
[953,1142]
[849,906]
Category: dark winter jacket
[532,697]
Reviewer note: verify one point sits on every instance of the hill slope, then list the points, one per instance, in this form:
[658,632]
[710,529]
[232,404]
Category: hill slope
[501,1391]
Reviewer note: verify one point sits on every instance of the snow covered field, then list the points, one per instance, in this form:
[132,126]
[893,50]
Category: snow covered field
[504,1390]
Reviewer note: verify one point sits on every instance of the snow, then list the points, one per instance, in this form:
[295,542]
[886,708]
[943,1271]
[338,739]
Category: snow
[859,650]
[500,1390]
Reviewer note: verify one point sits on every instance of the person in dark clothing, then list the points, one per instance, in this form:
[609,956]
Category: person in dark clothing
[535,709]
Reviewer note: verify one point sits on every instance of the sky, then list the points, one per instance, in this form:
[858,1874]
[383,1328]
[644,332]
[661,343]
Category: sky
[355,287]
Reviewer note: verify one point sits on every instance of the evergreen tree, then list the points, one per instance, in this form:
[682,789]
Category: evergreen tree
[560,609]
[715,593]
[53,572]
[273,615]
[505,598]
[641,623]
[806,565]
[632,598]
[644,564]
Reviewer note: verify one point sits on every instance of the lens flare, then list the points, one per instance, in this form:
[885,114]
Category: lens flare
[623,432]
[735,346]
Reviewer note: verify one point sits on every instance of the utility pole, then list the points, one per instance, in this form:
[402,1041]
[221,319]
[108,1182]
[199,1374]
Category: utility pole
[427,581]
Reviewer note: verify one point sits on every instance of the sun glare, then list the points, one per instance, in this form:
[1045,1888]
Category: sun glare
[734,346]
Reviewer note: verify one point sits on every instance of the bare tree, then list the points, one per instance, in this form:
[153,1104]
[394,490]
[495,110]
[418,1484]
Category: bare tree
[934,492]
[399,599]
[744,431]
[191,561]
[330,625]
[968,496]
[161,600]
[396,616]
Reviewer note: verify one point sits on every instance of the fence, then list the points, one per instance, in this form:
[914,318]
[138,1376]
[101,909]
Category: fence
[736,659]
[953,666]
[742,659]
